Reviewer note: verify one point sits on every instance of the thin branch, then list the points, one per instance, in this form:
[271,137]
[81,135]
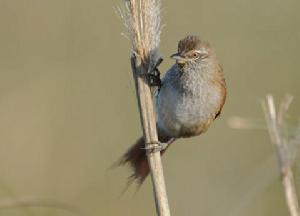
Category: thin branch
[142,20]
[275,123]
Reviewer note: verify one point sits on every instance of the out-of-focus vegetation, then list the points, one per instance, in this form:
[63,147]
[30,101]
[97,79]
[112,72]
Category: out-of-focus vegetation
[68,109]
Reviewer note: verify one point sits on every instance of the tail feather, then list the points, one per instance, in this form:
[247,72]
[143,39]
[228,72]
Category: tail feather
[137,159]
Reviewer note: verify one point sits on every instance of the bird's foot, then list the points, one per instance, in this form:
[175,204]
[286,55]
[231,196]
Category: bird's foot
[153,75]
[155,147]
[154,78]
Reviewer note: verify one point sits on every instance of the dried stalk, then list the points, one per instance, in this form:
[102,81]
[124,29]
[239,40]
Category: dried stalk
[142,21]
[275,125]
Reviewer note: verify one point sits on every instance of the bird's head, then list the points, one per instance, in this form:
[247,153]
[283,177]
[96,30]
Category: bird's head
[191,52]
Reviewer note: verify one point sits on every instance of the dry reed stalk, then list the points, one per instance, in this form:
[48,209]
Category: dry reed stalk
[275,123]
[142,21]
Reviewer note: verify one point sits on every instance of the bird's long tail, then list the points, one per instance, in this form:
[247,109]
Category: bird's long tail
[136,157]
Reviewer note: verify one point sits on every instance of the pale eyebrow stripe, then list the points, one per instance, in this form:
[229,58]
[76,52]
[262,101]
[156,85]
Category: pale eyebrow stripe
[202,51]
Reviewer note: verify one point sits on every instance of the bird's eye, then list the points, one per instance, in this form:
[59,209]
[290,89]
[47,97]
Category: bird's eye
[195,55]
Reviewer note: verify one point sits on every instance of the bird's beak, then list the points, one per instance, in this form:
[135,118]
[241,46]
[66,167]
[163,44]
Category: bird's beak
[180,60]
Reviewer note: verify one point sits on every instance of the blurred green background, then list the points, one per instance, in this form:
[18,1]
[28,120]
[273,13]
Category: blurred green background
[68,108]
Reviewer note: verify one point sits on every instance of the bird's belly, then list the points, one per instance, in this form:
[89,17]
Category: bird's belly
[183,120]
[183,115]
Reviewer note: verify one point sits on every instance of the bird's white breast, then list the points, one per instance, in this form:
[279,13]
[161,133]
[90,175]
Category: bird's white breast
[188,108]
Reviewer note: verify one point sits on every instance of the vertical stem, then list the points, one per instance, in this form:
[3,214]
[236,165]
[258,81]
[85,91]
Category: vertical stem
[290,191]
[148,121]
[142,20]
[275,126]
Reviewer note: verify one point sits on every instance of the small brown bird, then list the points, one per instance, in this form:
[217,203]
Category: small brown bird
[191,97]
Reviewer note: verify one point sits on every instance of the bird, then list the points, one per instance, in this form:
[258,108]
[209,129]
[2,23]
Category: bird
[191,96]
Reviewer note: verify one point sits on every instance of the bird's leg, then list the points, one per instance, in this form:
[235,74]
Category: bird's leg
[155,147]
[154,78]
[158,146]
[153,74]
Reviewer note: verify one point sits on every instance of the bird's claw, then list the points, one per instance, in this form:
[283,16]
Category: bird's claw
[155,147]
[154,78]
[153,75]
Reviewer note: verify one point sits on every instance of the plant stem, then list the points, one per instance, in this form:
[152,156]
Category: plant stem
[275,126]
[145,103]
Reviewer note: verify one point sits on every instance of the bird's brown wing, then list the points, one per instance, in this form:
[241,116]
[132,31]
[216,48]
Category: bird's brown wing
[222,85]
